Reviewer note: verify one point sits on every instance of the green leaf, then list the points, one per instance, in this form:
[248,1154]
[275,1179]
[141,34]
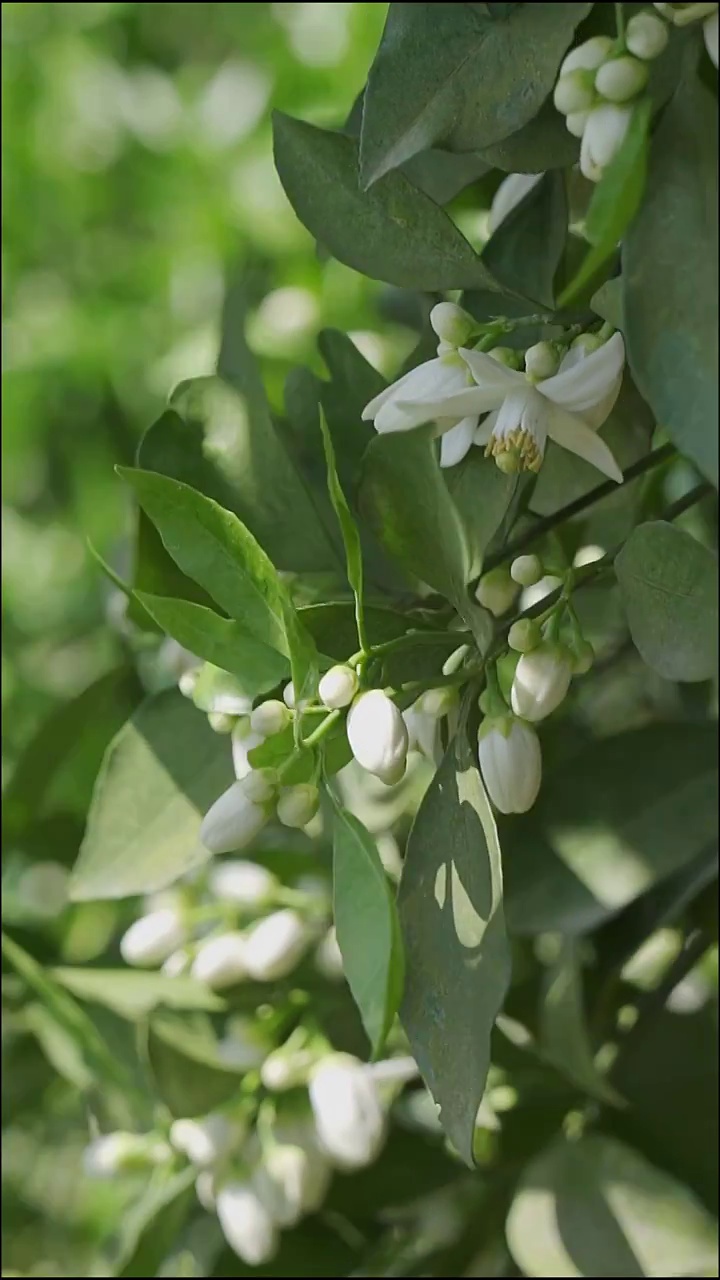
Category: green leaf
[543,143]
[441,175]
[482,495]
[151,1228]
[189,1076]
[366,921]
[525,251]
[134,995]
[563,1031]
[669,586]
[457,957]
[220,641]
[154,570]
[608,302]
[616,199]
[393,233]
[611,821]
[160,775]
[348,528]
[450,74]
[594,1207]
[332,626]
[353,384]
[670,272]
[61,1048]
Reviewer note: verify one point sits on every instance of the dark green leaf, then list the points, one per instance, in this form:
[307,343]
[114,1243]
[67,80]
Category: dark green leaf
[152,1226]
[366,921]
[669,586]
[348,528]
[332,626]
[544,143]
[482,496]
[160,775]
[452,75]
[457,957]
[670,273]
[525,251]
[393,233]
[189,1076]
[442,175]
[563,1032]
[608,302]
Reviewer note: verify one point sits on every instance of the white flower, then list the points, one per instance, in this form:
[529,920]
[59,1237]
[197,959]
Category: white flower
[233,822]
[621,79]
[542,679]
[602,138]
[153,938]
[338,687]
[205,1190]
[206,1141]
[328,957]
[220,962]
[297,805]
[575,123]
[509,194]
[559,408]
[286,1068]
[246,1223]
[274,946]
[423,733]
[378,736]
[244,883]
[269,718]
[526,570]
[510,763]
[244,740]
[646,36]
[292,1180]
[710,33]
[119,1152]
[587,56]
[573,92]
[230,704]
[349,1116]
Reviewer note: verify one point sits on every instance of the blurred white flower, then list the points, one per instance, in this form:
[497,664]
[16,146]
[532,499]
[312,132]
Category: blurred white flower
[244,740]
[233,822]
[349,1116]
[292,1180]
[246,1223]
[328,957]
[120,1152]
[153,938]
[207,1140]
[274,946]
[220,962]
[244,883]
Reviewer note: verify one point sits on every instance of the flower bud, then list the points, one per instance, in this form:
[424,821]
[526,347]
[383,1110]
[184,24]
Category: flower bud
[274,946]
[220,722]
[292,1181]
[206,1141]
[286,1069]
[575,123]
[588,56]
[451,323]
[220,962]
[541,361]
[187,682]
[437,703]
[574,92]
[269,718]
[289,696]
[510,763]
[349,1117]
[338,687]
[232,822]
[621,79]
[507,357]
[586,343]
[604,135]
[114,1153]
[297,805]
[243,742]
[542,589]
[526,570]
[496,591]
[378,736]
[259,785]
[681,14]
[524,635]
[542,679]
[246,1223]
[152,938]
[328,957]
[177,964]
[646,35]
[583,658]
[244,883]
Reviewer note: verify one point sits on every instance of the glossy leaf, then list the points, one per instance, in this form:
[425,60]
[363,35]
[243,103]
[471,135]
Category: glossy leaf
[525,251]
[348,527]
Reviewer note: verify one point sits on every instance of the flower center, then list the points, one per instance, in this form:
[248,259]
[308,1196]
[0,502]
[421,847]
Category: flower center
[519,450]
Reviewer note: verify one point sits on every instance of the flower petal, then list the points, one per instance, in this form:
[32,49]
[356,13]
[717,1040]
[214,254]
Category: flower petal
[590,380]
[490,373]
[455,442]
[710,32]
[433,381]
[474,400]
[486,428]
[571,433]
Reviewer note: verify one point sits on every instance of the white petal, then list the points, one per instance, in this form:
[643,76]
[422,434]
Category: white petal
[473,401]
[382,397]
[455,443]
[490,373]
[511,191]
[486,428]
[433,381]
[586,383]
[710,32]
[571,433]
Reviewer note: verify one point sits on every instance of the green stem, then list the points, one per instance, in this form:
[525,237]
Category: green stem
[620,21]
[360,626]
[318,734]
[410,638]
[416,687]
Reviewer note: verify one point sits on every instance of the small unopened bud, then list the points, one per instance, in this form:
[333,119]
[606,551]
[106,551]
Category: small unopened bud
[297,805]
[542,679]
[114,1153]
[244,883]
[349,1116]
[541,361]
[284,1069]
[292,1180]
[205,1190]
[378,736]
[246,1223]
[259,785]
[621,79]
[437,703]
[328,957]
[206,1141]
[510,763]
[220,722]
[587,56]
[604,135]
[187,683]
[646,35]
[220,962]
[233,822]
[507,357]
[526,570]
[152,938]
[274,946]
[574,92]
[451,323]
[587,343]
[575,123]
[338,687]
[583,658]
[496,591]
[269,718]
[524,635]
[289,696]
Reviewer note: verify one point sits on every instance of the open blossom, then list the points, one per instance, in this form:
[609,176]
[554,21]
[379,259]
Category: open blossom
[523,414]
[510,763]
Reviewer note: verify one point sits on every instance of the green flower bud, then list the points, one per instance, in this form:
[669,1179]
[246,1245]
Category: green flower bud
[524,635]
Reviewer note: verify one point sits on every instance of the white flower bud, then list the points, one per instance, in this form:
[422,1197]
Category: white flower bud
[586,343]
[206,1141]
[541,361]
[275,945]
[292,1181]
[575,123]
[378,736]
[220,722]
[349,1116]
[681,14]
[526,570]
[524,635]
[437,703]
[328,957]
[574,92]
[233,822]
[187,682]
[338,687]
[588,56]
[621,79]
[604,135]
[510,763]
[289,696]
[298,805]
[243,742]
[114,1153]
[269,718]
[583,658]
[542,589]
[496,591]
[227,703]
[646,36]
[220,962]
[177,964]
[205,1190]
[505,355]
[246,1223]
[259,785]
[542,679]
[286,1069]
[244,883]
[451,323]
[152,938]
[175,659]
